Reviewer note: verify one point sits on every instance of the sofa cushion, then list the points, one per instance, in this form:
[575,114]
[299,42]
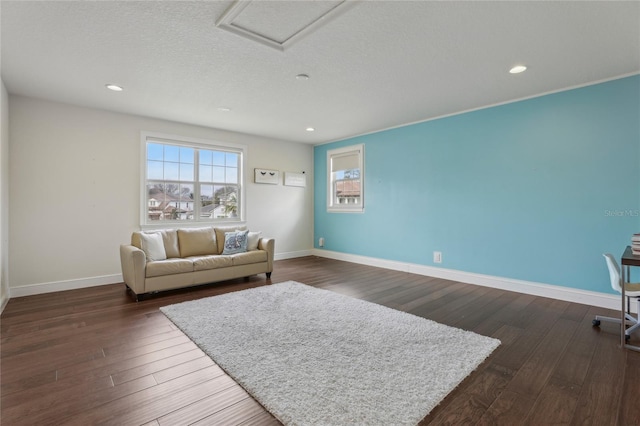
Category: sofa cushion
[235,242]
[248,257]
[197,241]
[220,235]
[153,246]
[203,263]
[170,239]
[168,267]
[252,240]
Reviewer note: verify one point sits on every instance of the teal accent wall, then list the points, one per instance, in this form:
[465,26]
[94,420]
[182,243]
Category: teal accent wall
[533,190]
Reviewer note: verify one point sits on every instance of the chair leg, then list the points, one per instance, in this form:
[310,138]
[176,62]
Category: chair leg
[632,329]
[629,320]
[605,319]
[633,322]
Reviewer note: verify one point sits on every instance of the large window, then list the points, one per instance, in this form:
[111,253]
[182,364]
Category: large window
[188,180]
[345,179]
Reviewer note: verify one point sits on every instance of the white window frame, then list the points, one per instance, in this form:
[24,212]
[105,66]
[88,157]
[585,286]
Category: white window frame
[184,141]
[332,205]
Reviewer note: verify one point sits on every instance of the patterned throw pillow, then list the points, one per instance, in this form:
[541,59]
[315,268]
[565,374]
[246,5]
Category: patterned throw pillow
[235,242]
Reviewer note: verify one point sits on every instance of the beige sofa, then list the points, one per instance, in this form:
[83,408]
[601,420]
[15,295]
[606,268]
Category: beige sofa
[174,258]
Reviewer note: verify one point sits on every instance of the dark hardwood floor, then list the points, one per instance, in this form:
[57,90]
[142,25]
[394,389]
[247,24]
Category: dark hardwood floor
[94,356]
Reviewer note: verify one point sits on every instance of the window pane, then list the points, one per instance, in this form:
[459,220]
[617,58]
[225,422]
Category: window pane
[179,202]
[166,201]
[206,157]
[170,190]
[218,174]
[186,155]
[207,202]
[171,171]
[154,152]
[155,170]
[351,174]
[231,204]
[206,173]
[186,172]
[232,175]
[232,159]
[171,153]
[206,192]
[218,158]
[155,202]
[186,193]
[347,191]
[226,199]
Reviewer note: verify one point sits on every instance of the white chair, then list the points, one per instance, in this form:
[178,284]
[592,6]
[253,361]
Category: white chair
[631,290]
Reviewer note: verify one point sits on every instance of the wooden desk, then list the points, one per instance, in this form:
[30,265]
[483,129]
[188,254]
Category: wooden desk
[628,259]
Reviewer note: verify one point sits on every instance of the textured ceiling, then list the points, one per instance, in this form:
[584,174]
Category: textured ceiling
[278,22]
[376,65]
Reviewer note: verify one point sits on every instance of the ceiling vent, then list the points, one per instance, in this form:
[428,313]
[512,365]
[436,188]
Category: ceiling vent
[279,24]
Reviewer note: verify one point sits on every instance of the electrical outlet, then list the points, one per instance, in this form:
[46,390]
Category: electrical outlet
[437,257]
[321,242]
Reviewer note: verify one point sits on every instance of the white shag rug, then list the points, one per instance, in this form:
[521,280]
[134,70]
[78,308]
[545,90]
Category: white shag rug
[315,357]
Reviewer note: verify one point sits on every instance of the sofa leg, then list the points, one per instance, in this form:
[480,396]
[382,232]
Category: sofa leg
[268,275]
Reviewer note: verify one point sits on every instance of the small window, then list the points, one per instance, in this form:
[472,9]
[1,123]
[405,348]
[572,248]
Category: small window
[345,179]
[188,180]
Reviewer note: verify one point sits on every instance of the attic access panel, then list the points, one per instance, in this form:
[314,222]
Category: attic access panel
[279,24]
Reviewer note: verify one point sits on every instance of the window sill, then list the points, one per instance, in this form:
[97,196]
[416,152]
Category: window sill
[345,210]
[166,224]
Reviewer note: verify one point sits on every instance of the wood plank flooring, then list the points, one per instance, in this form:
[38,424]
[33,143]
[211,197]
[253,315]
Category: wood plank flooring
[95,356]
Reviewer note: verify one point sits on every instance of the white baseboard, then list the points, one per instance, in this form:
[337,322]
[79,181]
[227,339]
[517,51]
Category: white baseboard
[3,303]
[292,254]
[50,287]
[603,300]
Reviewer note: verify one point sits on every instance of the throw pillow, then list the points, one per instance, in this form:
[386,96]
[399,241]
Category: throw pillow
[153,246]
[235,242]
[220,231]
[252,240]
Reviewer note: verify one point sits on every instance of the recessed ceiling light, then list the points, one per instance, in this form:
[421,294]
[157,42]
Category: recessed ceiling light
[114,87]
[517,69]
[302,77]
[224,109]
[310,129]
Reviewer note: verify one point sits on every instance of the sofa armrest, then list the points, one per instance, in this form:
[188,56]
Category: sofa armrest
[268,245]
[133,261]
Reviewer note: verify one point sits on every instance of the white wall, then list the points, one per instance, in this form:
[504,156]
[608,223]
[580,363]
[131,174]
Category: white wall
[4,197]
[75,188]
